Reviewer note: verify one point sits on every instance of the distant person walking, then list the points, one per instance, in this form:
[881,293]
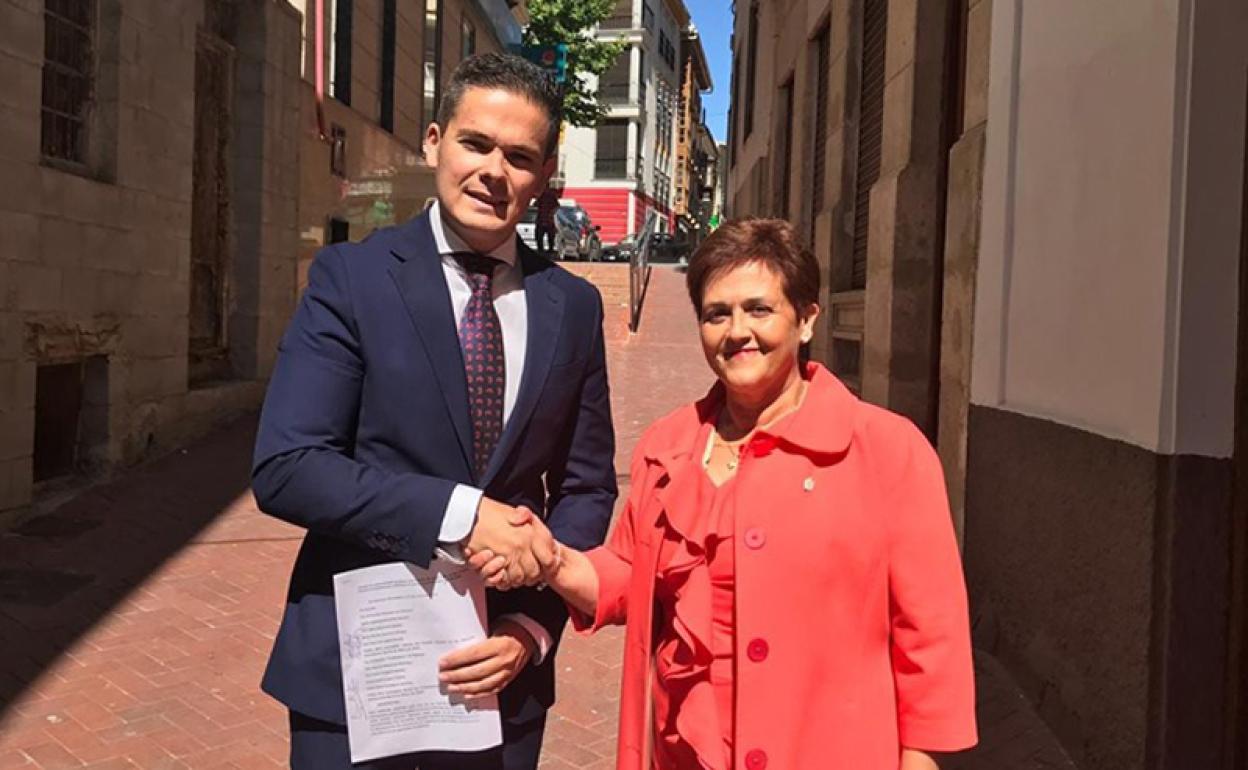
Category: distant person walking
[547,205]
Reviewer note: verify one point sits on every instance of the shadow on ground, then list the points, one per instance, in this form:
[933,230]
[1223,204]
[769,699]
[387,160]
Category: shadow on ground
[64,571]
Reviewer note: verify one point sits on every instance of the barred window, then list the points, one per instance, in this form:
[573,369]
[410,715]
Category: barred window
[68,78]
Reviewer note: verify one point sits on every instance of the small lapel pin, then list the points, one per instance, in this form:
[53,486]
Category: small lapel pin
[809,483]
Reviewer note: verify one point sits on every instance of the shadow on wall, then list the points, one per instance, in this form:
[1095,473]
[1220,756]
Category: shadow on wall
[63,572]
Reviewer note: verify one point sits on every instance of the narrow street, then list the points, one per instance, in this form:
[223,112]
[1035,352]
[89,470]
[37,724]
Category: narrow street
[135,620]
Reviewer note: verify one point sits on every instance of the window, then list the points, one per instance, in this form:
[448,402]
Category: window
[339,230]
[613,84]
[468,39]
[666,50]
[786,151]
[68,78]
[433,60]
[338,150]
[647,16]
[343,12]
[641,79]
[819,131]
[732,111]
[870,130]
[752,49]
[611,156]
[389,22]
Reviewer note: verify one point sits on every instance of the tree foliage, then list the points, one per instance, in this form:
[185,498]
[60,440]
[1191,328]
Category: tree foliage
[574,22]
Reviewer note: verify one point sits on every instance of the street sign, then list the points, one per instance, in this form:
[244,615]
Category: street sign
[549,57]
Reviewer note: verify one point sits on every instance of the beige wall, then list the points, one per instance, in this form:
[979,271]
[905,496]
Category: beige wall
[97,263]
[1108,224]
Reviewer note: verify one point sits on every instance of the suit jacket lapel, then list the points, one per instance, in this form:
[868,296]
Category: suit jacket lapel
[422,285]
[544,302]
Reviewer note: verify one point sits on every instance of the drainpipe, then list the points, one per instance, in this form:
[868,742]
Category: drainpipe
[320,68]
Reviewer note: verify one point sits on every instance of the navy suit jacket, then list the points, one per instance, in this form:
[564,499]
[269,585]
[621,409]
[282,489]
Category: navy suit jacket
[366,431]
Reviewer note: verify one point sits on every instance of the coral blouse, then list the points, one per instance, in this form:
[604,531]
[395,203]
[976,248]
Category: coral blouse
[693,691]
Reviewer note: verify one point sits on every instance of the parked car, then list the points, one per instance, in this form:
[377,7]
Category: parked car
[527,229]
[576,237]
[622,251]
[669,248]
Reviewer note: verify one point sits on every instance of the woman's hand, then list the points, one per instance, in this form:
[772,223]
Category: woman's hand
[913,759]
[493,569]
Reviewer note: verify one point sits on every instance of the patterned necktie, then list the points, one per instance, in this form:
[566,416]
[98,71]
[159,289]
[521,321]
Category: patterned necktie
[481,339]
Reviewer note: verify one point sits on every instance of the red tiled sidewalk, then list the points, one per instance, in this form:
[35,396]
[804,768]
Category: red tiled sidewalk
[135,620]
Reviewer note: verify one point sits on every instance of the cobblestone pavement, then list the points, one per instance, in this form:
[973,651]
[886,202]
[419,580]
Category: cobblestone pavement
[135,620]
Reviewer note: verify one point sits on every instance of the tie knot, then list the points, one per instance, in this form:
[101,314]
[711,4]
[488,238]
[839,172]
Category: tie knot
[477,264]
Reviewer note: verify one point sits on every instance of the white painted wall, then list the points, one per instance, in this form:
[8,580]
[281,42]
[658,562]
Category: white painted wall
[1106,289]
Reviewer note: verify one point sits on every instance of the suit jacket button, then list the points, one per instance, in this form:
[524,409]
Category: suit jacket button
[755,538]
[757,650]
[755,759]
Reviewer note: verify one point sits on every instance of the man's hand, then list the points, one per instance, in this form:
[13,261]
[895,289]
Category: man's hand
[487,667]
[507,532]
[493,569]
[510,547]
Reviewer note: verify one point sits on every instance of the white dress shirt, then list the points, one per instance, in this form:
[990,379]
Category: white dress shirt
[513,316]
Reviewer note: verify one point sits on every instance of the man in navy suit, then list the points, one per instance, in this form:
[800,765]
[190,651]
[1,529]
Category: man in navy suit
[442,390]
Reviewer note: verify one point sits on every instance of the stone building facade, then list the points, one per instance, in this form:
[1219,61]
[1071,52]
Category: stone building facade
[170,167]
[150,155]
[1031,219]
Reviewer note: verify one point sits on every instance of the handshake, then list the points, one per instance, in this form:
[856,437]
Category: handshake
[511,547]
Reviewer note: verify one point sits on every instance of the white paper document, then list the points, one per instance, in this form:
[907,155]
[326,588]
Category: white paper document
[394,622]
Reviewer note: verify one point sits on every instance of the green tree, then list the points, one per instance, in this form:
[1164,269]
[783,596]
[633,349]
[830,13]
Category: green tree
[573,22]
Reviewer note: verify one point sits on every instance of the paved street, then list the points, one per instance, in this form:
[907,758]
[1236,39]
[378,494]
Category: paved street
[135,620]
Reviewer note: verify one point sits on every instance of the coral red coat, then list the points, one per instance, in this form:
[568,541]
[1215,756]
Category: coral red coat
[852,636]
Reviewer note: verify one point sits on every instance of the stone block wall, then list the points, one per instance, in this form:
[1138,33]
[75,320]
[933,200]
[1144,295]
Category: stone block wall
[95,261]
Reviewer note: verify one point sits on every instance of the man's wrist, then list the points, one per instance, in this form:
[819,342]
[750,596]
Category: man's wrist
[520,634]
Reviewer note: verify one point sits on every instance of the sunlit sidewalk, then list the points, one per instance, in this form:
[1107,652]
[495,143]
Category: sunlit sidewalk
[135,621]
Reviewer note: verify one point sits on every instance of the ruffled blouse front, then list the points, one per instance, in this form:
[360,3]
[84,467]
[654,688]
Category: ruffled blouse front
[693,692]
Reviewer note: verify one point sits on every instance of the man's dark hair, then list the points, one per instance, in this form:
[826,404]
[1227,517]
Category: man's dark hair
[509,73]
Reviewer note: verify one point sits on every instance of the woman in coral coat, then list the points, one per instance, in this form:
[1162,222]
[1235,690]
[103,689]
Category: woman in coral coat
[786,563]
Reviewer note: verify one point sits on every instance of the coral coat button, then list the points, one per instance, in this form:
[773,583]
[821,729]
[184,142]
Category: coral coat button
[755,759]
[757,650]
[754,538]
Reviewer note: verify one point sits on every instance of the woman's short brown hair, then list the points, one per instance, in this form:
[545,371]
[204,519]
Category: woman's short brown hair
[772,242]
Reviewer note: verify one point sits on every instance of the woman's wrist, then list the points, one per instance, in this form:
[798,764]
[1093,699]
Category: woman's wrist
[575,580]
[913,759]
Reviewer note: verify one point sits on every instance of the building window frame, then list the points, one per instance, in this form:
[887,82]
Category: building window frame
[751,74]
[611,139]
[467,38]
[432,70]
[389,28]
[69,81]
[344,41]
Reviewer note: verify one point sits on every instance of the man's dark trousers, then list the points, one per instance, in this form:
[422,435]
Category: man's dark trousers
[366,432]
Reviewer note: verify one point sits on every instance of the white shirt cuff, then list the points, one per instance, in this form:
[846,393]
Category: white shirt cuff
[457,522]
[536,630]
